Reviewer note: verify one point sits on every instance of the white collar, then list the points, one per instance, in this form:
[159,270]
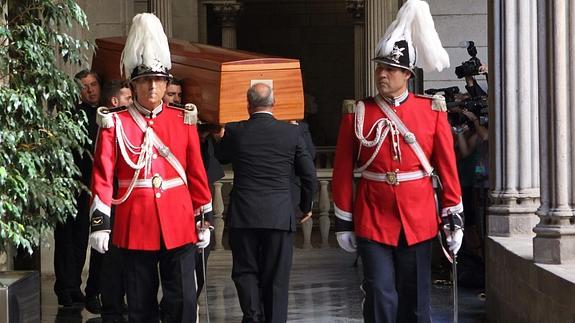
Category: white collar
[268,112]
[147,113]
[396,101]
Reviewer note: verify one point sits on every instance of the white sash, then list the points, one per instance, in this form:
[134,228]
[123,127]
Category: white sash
[407,135]
[157,142]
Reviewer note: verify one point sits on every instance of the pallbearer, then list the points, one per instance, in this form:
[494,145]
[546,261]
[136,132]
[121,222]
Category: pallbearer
[399,142]
[153,152]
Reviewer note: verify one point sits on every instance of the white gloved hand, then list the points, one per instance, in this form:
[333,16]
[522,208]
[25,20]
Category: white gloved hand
[99,240]
[452,226]
[346,240]
[204,235]
[454,239]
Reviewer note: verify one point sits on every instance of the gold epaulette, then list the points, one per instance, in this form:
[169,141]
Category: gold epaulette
[437,101]
[190,112]
[348,106]
[104,116]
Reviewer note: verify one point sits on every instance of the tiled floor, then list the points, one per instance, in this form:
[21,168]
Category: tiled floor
[324,288]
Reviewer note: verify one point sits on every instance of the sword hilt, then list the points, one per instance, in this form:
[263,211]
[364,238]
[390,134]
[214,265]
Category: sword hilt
[203,217]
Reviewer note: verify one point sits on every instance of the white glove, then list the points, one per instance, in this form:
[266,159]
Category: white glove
[203,237]
[99,240]
[452,225]
[454,239]
[346,240]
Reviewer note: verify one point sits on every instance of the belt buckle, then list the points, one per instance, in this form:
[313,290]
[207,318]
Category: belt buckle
[391,178]
[157,181]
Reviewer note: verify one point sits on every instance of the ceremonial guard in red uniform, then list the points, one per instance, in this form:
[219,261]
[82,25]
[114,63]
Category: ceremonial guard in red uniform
[152,151]
[398,143]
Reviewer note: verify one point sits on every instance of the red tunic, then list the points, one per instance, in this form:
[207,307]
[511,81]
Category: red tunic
[150,214]
[380,210]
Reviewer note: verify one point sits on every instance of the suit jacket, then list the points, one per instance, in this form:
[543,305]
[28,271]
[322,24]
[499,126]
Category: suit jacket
[296,183]
[264,153]
[84,161]
[213,168]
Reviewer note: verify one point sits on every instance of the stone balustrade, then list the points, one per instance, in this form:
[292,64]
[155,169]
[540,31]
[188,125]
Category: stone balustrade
[322,203]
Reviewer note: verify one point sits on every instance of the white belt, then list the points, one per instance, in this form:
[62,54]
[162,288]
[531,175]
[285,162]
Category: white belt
[393,178]
[154,182]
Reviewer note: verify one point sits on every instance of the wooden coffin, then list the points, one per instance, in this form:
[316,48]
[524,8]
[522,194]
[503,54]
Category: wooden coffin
[217,79]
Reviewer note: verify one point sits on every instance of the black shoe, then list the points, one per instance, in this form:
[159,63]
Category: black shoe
[114,320]
[65,300]
[78,297]
[93,304]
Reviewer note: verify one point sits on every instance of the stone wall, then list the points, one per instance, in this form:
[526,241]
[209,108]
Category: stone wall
[458,21]
[518,290]
[317,32]
[185,20]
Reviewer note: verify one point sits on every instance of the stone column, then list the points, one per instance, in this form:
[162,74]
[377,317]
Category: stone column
[306,230]
[554,242]
[218,208]
[202,22]
[356,8]
[163,10]
[324,206]
[227,13]
[378,15]
[513,118]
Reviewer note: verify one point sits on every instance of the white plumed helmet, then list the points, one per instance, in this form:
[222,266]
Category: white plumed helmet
[146,52]
[411,40]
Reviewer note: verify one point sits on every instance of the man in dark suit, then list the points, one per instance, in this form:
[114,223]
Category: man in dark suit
[261,220]
[71,237]
[303,127]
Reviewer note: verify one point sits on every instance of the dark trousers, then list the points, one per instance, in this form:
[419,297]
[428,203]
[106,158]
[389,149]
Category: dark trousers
[94,274]
[397,282]
[70,245]
[262,260]
[112,284]
[200,265]
[178,284]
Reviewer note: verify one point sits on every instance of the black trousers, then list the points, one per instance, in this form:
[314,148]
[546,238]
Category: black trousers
[178,285]
[112,284]
[70,245]
[262,260]
[94,274]
[397,282]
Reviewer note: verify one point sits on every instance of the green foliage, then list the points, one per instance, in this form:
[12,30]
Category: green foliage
[39,127]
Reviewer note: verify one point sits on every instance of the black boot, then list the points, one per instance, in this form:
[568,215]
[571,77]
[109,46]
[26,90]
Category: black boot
[93,304]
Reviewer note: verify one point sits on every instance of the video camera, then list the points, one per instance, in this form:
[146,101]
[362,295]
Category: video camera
[470,67]
[478,105]
[448,92]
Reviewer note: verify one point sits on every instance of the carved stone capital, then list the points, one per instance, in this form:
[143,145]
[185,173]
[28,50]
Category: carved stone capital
[227,13]
[356,8]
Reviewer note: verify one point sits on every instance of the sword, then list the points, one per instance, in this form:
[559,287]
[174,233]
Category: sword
[452,258]
[455,303]
[205,276]
[454,268]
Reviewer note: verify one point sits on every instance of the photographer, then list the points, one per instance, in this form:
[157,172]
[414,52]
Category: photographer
[472,87]
[471,146]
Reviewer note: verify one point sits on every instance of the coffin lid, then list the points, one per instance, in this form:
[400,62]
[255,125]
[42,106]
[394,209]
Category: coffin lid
[210,57]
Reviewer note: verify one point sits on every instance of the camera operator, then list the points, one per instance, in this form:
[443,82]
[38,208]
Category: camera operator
[471,139]
[472,87]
